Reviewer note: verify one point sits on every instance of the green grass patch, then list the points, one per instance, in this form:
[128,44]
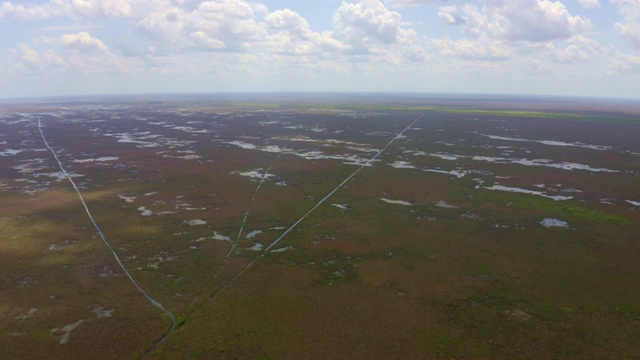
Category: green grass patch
[560,209]
[565,210]
[330,267]
[493,112]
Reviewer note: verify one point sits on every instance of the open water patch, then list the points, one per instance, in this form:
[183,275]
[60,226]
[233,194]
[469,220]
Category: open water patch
[100,159]
[27,314]
[220,237]
[457,173]
[342,207]
[196,222]
[552,222]
[67,329]
[402,165]
[253,234]
[550,142]
[128,199]
[256,247]
[530,192]
[10,152]
[396,202]
[282,249]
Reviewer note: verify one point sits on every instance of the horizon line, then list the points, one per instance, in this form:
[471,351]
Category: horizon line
[323,92]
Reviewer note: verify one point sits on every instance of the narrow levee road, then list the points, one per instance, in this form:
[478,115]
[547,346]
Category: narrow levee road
[288,230]
[106,242]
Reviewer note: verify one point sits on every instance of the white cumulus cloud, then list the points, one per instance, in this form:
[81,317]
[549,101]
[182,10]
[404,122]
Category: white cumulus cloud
[81,41]
[571,54]
[449,14]
[287,19]
[217,24]
[368,20]
[204,41]
[409,3]
[368,28]
[538,20]
[519,20]
[295,37]
[629,26]
[473,49]
[107,8]
[626,63]
[69,8]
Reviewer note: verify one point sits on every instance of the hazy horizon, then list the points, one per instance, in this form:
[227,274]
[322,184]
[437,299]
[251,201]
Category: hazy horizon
[432,96]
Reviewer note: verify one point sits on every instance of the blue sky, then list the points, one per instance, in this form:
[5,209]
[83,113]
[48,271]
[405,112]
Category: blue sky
[78,47]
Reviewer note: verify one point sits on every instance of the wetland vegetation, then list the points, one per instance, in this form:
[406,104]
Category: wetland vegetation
[487,229]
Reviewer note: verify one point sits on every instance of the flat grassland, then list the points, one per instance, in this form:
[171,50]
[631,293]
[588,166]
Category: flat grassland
[491,228]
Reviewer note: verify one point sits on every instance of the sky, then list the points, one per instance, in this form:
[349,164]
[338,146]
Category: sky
[542,47]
